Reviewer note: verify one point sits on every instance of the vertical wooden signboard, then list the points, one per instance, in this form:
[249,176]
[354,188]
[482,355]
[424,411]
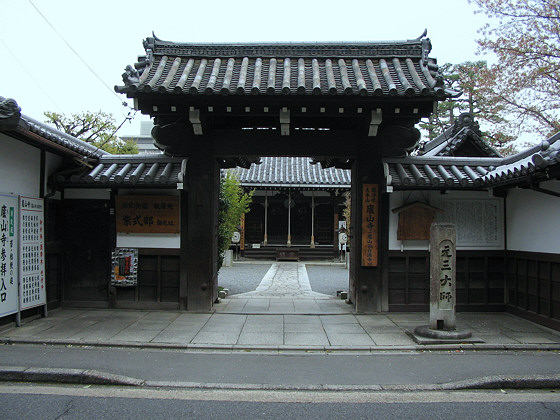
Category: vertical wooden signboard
[242,241]
[9,240]
[32,253]
[370,225]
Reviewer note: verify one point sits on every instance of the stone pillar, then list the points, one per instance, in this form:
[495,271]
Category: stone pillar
[442,276]
[199,226]
[442,288]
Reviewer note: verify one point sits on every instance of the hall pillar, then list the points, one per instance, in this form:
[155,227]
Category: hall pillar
[369,236]
[199,231]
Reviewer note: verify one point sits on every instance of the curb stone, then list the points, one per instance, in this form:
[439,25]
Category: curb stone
[285,347]
[94,377]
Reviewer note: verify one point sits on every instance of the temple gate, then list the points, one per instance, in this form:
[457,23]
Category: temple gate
[345,105]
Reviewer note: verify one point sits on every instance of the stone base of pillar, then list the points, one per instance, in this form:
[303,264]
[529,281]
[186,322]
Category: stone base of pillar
[312,245]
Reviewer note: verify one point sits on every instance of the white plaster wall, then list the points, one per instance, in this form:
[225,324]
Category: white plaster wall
[533,220]
[20,166]
[438,200]
[153,240]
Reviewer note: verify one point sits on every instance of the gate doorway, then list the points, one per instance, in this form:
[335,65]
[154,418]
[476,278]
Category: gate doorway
[347,105]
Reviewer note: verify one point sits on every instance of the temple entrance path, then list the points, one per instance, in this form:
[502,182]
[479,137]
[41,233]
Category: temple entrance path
[285,289]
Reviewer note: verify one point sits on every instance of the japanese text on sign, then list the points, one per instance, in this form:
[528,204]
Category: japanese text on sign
[445,297]
[370,225]
[147,214]
[8,255]
[32,252]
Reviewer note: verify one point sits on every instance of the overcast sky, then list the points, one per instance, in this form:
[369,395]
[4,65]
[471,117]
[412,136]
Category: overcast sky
[41,72]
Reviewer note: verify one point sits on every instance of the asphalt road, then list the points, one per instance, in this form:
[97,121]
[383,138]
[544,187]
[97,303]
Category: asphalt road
[279,369]
[53,402]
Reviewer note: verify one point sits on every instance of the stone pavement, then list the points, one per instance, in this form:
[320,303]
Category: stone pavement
[284,289]
[282,314]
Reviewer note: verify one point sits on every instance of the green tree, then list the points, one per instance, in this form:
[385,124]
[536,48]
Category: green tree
[233,203]
[472,79]
[525,81]
[97,128]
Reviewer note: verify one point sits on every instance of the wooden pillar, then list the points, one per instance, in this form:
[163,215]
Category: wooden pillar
[199,223]
[289,242]
[312,219]
[265,241]
[368,280]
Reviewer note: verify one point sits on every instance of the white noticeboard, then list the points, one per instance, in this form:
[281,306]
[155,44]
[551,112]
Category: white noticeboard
[32,253]
[8,254]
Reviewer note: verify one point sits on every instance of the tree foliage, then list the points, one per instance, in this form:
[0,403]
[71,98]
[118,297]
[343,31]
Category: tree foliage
[472,79]
[525,36]
[233,203]
[96,128]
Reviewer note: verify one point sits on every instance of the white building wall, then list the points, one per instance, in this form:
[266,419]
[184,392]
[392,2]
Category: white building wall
[533,220]
[20,166]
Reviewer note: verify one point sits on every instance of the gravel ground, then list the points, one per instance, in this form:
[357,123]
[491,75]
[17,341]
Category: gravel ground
[242,278]
[327,279]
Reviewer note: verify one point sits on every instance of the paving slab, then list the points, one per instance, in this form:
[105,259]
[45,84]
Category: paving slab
[349,340]
[258,338]
[284,315]
[305,339]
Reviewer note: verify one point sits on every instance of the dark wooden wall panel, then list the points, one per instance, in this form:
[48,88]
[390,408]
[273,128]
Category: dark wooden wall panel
[480,280]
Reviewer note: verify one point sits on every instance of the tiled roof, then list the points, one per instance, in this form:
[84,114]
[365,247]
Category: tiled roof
[532,162]
[292,172]
[395,68]
[479,172]
[438,172]
[465,130]
[126,170]
[40,132]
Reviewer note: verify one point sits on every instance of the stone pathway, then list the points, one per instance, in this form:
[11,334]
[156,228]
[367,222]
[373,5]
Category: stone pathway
[284,289]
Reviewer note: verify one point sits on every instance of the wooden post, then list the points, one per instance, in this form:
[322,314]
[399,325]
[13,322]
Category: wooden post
[312,219]
[199,245]
[265,241]
[289,242]
[369,236]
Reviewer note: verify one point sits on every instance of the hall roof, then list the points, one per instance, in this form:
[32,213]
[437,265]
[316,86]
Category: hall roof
[295,172]
[463,138]
[383,69]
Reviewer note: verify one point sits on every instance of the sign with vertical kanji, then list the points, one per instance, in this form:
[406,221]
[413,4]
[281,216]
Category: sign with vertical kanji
[8,255]
[370,225]
[32,253]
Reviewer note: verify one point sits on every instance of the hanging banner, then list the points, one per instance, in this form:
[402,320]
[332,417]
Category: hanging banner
[370,225]
[8,254]
[32,253]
